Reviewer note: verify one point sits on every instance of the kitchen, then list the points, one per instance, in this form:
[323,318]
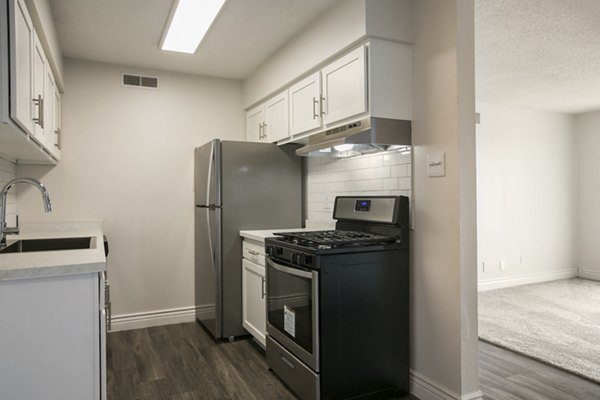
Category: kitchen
[130,164]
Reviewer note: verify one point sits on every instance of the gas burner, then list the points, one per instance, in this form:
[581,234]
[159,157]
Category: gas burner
[334,239]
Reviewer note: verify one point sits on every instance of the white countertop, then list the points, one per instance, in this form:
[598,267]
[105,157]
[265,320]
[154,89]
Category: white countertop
[261,235]
[58,262]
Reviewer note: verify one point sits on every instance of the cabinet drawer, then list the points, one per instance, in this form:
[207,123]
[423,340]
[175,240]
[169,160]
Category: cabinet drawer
[304,382]
[254,251]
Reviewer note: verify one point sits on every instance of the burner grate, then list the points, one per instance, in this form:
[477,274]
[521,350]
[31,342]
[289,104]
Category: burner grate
[335,238]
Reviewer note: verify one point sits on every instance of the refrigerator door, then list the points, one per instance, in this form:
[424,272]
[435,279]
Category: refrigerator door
[207,186]
[261,189]
[208,272]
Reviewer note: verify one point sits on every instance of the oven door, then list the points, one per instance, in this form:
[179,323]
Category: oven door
[293,310]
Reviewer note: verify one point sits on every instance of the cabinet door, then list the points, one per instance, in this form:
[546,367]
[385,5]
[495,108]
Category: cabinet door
[21,61]
[276,118]
[304,104]
[39,76]
[253,300]
[52,338]
[49,113]
[344,87]
[254,124]
[56,131]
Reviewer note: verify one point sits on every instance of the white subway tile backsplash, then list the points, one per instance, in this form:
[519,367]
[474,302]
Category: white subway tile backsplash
[370,175]
[390,184]
[404,183]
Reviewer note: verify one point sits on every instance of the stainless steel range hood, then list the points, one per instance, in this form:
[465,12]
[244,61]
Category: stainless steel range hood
[369,135]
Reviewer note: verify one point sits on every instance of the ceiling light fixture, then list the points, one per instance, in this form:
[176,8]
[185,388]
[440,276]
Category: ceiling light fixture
[188,22]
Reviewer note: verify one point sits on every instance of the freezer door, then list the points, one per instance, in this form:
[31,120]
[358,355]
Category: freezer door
[207,160]
[208,275]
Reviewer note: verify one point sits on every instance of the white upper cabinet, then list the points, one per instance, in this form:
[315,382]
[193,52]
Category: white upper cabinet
[344,87]
[276,118]
[56,125]
[255,119]
[335,93]
[39,89]
[28,113]
[305,101]
[268,122]
[21,60]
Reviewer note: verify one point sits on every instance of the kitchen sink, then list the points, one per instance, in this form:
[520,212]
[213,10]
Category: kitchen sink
[55,244]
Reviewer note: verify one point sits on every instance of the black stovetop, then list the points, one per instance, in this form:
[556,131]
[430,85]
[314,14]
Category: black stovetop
[334,239]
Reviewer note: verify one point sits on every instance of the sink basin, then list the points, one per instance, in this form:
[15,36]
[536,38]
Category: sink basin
[29,245]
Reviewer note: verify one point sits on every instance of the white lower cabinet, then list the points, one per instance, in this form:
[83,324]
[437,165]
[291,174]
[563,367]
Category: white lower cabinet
[52,338]
[253,291]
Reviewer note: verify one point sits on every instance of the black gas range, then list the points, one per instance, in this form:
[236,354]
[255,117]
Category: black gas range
[337,303]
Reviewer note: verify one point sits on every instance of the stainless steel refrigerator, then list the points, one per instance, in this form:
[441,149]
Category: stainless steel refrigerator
[238,186]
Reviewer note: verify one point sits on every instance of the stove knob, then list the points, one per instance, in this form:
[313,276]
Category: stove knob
[278,251]
[294,258]
[308,260]
[301,259]
[270,250]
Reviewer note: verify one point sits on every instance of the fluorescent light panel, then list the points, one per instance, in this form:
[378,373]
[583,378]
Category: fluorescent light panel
[189,23]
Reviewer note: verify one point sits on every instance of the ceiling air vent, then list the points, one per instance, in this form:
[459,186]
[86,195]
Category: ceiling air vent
[148,82]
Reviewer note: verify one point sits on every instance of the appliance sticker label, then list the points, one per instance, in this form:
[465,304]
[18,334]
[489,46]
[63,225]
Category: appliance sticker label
[289,321]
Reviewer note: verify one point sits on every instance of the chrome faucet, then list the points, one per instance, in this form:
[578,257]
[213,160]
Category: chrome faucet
[4,230]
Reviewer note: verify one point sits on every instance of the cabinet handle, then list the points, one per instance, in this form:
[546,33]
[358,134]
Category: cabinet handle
[40,118]
[315,102]
[260,131]
[57,132]
[321,108]
[263,291]
[264,130]
[254,253]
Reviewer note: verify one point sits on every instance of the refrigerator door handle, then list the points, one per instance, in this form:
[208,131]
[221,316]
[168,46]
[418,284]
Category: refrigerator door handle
[210,241]
[209,177]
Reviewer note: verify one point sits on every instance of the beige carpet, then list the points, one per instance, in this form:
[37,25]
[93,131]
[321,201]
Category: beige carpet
[555,322]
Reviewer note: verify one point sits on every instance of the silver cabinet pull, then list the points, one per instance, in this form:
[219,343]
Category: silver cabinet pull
[254,253]
[260,131]
[315,102]
[263,291]
[39,102]
[264,130]
[321,108]
[57,132]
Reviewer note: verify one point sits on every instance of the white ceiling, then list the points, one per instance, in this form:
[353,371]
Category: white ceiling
[533,53]
[538,53]
[244,35]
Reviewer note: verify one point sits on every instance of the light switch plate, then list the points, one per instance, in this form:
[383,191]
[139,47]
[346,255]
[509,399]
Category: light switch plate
[436,164]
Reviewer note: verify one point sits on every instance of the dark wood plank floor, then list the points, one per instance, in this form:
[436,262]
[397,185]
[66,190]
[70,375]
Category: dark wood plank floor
[505,375]
[182,362]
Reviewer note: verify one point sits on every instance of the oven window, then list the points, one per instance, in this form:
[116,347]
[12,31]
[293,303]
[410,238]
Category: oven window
[289,306]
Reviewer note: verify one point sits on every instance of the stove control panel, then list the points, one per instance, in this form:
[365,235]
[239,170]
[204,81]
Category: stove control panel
[290,255]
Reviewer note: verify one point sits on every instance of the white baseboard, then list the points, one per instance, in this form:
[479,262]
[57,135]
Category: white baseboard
[425,389]
[124,322]
[505,282]
[587,274]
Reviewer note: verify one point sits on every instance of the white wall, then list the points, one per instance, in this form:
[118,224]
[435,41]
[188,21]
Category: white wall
[443,248]
[526,191]
[588,148]
[7,173]
[368,175]
[339,27]
[128,160]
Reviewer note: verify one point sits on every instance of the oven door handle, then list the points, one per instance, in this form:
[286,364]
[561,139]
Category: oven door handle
[289,270]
